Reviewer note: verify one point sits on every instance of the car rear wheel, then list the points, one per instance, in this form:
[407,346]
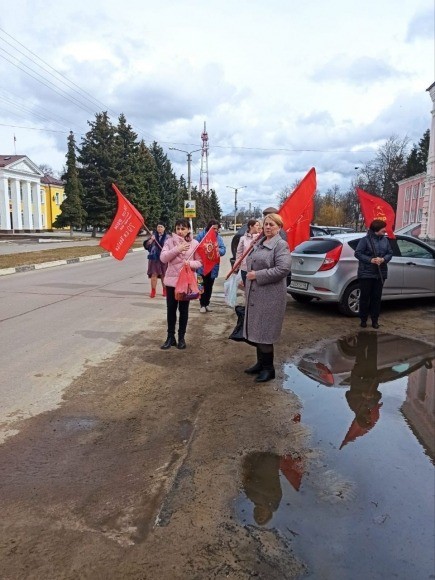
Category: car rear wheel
[301,298]
[349,303]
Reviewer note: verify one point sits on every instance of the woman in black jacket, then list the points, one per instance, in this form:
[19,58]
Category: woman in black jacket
[373,253]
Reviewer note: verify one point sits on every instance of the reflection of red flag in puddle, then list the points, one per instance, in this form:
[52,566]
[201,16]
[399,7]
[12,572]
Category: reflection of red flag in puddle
[292,469]
[355,430]
[124,228]
[208,250]
[297,210]
[376,208]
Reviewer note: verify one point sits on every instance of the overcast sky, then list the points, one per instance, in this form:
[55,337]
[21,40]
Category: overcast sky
[283,85]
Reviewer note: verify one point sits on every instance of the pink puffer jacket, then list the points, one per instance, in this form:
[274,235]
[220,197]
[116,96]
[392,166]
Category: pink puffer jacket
[175,259]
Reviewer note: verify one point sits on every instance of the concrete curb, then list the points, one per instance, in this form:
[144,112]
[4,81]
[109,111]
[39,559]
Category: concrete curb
[42,265]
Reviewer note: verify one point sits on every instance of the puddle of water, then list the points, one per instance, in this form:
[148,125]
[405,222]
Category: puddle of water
[362,504]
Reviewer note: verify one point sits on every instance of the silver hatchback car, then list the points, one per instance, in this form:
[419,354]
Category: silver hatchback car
[326,269]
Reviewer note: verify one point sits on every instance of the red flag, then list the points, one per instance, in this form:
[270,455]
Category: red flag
[125,226]
[298,209]
[355,430]
[208,250]
[292,469]
[375,208]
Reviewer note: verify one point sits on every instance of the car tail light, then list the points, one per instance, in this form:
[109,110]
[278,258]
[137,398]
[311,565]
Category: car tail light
[331,258]
[325,374]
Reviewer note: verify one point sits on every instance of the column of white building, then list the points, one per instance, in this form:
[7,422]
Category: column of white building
[5,219]
[428,218]
[23,197]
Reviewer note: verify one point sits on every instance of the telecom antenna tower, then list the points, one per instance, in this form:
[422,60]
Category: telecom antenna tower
[203,176]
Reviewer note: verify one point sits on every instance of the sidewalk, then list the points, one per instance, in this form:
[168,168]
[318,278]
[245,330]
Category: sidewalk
[24,243]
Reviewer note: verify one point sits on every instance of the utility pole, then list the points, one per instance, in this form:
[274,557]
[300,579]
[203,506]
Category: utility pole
[189,183]
[358,209]
[235,203]
[203,176]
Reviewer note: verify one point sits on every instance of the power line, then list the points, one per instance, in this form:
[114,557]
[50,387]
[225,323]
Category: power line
[54,88]
[34,110]
[81,92]
[34,128]
[92,99]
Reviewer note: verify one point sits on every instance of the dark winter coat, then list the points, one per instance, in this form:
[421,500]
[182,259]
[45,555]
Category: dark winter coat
[364,253]
[266,297]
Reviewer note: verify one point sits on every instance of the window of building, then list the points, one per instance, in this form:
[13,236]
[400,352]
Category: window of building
[405,217]
[421,189]
[407,192]
[42,220]
[420,214]
[411,217]
[57,198]
[415,191]
[42,195]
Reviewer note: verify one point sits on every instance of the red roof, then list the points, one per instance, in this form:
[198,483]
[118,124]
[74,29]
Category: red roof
[50,180]
[6,160]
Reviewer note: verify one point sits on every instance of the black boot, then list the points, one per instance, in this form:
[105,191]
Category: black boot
[268,372]
[181,342]
[170,341]
[258,367]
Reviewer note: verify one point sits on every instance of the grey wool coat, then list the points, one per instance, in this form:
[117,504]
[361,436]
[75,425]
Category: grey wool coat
[266,297]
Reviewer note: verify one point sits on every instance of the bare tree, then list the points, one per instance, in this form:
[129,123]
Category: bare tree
[380,176]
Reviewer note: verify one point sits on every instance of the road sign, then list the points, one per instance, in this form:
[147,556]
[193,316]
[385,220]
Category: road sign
[190,208]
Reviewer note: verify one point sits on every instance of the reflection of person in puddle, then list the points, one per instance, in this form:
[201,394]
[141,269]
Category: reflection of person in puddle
[261,484]
[363,396]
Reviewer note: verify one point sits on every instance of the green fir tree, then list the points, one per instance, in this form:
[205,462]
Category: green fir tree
[167,186]
[98,171]
[149,181]
[72,211]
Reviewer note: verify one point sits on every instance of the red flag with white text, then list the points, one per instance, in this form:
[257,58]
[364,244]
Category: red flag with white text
[298,209]
[123,231]
[376,208]
[208,250]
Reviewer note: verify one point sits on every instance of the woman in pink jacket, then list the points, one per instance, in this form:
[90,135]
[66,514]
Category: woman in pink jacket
[177,249]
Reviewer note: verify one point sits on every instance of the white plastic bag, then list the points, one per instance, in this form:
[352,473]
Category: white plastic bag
[230,289]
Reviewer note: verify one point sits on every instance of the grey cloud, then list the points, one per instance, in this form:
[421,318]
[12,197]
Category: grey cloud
[421,26]
[357,72]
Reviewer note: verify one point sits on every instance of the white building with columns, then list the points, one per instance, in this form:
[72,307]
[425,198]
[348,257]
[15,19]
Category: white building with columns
[428,217]
[21,196]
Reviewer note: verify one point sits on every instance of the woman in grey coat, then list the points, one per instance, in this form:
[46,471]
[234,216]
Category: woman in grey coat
[266,296]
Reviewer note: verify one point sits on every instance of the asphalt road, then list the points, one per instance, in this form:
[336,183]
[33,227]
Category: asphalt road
[56,322]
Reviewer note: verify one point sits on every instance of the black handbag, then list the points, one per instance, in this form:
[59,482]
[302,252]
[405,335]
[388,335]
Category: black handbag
[237,333]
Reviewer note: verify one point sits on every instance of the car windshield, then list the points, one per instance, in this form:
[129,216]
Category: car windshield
[317,246]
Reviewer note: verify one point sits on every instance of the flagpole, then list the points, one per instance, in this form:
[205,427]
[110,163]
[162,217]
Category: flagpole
[243,256]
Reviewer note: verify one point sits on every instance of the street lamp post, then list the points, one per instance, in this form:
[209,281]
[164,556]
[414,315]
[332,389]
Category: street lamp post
[235,202]
[358,209]
[189,184]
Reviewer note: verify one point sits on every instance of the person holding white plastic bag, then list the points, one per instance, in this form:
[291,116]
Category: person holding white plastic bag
[246,241]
